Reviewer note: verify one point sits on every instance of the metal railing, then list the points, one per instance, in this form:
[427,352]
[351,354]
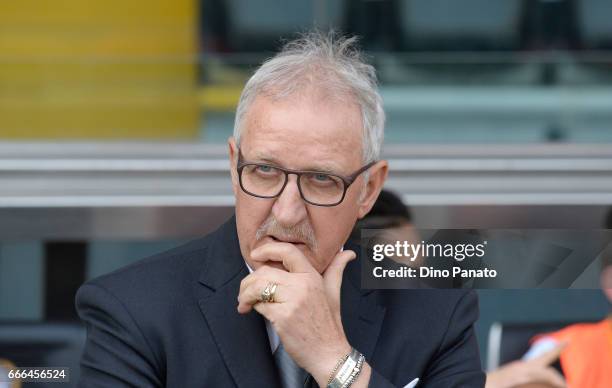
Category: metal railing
[39,175]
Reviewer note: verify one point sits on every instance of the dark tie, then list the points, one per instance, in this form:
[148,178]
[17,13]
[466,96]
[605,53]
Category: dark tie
[292,376]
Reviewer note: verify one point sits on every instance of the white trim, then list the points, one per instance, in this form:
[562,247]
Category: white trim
[494,348]
[228,200]
[117,201]
[509,199]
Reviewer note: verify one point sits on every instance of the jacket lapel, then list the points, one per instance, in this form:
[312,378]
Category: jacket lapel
[242,339]
[362,315]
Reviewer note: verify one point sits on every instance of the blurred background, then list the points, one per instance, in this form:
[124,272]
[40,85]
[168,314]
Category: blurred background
[114,117]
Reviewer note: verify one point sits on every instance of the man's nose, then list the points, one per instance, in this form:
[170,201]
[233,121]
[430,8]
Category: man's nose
[289,208]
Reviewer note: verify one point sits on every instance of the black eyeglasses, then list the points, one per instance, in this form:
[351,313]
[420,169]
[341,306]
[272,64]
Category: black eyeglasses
[316,187]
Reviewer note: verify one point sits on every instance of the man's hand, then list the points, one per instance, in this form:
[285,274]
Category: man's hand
[306,308]
[532,373]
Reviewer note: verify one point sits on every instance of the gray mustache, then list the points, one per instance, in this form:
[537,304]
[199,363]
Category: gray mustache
[302,232]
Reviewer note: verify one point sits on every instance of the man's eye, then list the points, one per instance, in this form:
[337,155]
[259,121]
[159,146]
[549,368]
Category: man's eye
[321,177]
[321,180]
[265,170]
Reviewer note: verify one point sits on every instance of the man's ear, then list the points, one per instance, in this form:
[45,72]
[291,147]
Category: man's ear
[233,159]
[376,181]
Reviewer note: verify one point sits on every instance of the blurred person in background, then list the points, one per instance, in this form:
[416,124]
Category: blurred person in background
[536,372]
[5,367]
[393,219]
[583,349]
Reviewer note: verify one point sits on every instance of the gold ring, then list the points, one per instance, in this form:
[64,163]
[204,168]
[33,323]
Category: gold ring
[267,295]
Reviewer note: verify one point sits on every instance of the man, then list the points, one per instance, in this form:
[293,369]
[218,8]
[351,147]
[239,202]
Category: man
[583,349]
[273,298]
[5,382]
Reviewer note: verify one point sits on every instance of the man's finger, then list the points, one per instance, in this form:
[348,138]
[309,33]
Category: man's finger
[251,295]
[286,253]
[332,277]
[266,309]
[265,271]
[550,356]
[548,376]
[253,285]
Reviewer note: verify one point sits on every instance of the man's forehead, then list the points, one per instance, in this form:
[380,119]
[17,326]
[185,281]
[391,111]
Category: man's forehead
[324,136]
[331,165]
[309,138]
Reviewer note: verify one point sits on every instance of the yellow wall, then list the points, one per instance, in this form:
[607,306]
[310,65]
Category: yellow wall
[98,69]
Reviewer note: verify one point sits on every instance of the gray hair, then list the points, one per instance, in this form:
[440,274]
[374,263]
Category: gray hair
[327,61]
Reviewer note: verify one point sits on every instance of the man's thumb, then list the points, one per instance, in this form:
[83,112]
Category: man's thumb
[332,277]
[550,356]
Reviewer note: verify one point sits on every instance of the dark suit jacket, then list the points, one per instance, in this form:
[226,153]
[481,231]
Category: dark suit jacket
[171,320]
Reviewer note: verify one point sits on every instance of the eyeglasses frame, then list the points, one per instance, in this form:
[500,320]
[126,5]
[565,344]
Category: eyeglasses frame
[347,180]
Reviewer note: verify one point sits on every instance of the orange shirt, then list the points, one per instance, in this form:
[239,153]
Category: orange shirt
[587,358]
